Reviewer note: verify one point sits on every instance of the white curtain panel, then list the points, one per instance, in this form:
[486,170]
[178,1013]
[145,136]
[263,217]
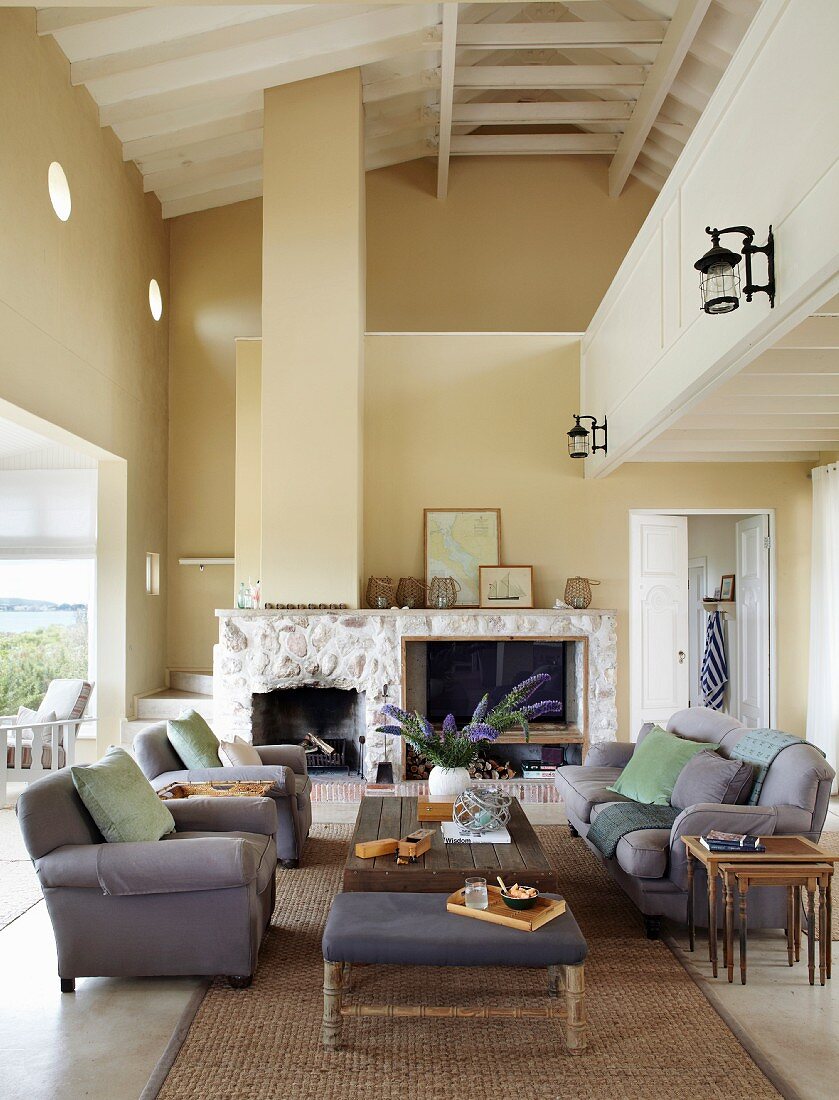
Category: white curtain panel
[823,693]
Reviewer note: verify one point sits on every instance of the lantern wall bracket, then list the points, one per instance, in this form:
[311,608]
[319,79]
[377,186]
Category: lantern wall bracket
[751,249]
[595,428]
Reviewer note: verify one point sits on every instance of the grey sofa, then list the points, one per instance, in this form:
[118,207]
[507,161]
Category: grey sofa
[650,864]
[285,765]
[196,902]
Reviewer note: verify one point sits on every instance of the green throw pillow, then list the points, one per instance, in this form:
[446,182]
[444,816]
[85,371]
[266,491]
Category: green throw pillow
[193,740]
[121,800]
[654,767]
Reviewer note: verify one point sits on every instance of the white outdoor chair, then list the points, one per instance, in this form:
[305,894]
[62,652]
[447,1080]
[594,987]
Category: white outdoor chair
[25,756]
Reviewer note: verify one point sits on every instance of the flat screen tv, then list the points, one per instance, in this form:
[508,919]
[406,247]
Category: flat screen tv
[459,674]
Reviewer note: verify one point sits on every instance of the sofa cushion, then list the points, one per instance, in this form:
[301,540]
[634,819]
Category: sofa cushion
[121,800]
[582,787]
[644,853]
[236,752]
[709,777]
[193,740]
[651,773]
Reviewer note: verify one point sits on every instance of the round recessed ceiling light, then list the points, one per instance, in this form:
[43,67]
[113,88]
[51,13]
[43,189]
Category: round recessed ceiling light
[59,189]
[155,300]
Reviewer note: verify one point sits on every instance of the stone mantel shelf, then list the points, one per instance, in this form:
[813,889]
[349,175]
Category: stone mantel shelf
[391,612]
[361,649]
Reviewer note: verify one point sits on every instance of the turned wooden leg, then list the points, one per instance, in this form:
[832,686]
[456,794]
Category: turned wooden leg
[797,926]
[811,933]
[790,925]
[729,929]
[824,933]
[691,919]
[575,1024]
[346,977]
[332,982]
[829,917]
[743,930]
[556,982]
[712,919]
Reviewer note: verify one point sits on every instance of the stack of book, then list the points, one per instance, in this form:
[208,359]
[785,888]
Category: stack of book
[717,841]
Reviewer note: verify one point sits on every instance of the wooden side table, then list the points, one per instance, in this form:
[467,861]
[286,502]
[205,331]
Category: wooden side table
[795,877]
[779,849]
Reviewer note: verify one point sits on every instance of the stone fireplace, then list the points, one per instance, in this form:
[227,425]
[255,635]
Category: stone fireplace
[270,653]
[286,716]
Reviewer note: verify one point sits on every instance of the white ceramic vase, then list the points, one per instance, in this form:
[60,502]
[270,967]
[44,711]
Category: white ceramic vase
[447,783]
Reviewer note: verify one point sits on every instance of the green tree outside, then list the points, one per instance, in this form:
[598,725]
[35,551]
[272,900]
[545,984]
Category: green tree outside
[30,660]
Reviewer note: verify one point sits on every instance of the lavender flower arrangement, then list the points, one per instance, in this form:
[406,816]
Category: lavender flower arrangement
[454,748]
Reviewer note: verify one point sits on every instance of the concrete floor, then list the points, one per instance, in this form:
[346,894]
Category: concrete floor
[103,1042]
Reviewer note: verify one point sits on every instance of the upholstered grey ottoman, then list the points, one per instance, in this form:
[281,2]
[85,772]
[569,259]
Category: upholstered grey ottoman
[416,929]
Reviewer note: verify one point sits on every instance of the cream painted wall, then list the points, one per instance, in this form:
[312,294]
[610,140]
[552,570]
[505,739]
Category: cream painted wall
[521,244]
[457,420]
[248,533]
[216,297]
[79,348]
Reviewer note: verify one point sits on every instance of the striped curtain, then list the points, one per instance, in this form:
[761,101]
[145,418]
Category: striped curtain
[713,675]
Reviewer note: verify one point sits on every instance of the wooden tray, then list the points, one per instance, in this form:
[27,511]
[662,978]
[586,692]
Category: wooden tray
[527,920]
[216,789]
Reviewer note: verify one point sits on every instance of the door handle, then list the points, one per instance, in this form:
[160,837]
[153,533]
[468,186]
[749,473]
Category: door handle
[682,656]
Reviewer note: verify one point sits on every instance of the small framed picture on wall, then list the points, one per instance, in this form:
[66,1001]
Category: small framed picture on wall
[506,585]
[727,586]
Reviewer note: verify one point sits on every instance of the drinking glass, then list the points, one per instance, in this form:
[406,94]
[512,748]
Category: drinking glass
[475,894]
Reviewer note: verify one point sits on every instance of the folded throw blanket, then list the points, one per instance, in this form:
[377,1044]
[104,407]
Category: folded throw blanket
[619,818]
[759,748]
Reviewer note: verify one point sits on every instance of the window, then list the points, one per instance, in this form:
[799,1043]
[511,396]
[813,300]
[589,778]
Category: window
[153,574]
[59,190]
[155,300]
[46,616]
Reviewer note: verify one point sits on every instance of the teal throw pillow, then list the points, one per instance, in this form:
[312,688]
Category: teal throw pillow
[121,800]
[654,767]
[193,741]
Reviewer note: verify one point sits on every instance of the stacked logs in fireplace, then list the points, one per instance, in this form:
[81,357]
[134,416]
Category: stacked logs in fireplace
[489,767]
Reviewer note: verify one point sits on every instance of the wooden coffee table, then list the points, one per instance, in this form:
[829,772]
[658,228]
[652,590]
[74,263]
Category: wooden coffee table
[444,867]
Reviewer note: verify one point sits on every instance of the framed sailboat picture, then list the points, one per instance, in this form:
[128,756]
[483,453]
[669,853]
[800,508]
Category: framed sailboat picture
[506,585]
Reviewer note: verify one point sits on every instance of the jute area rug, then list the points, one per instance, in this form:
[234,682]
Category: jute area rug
[651,1031]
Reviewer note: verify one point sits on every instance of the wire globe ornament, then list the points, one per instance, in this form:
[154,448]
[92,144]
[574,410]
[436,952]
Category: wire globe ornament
[481,810]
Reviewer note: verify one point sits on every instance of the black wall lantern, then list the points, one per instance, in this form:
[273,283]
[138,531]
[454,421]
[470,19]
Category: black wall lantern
[581,442]
[719,279]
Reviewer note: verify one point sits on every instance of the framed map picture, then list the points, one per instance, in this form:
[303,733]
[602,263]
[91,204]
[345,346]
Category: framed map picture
[506,585]
[458,541]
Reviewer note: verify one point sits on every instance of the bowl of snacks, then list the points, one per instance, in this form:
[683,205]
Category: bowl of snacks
[519,897]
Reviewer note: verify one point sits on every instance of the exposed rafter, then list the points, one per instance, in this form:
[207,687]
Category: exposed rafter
[528,36]
[481,145]
[540,114]
[681,32]
[447,71]
[549,76]
[50,20]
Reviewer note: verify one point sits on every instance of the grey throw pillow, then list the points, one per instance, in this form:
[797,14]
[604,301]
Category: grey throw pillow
[709,777]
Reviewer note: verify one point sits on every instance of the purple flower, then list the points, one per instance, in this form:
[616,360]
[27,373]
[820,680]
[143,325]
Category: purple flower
[481,710]
[546,706]
[428,729]
[391,731]
[528,686]
[449,727]
[390,710]
[481,731]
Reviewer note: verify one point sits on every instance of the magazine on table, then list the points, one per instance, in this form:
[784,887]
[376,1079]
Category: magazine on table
[715,840]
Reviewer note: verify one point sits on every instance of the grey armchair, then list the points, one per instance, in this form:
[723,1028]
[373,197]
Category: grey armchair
[196,902]
[650,864]
[284,765]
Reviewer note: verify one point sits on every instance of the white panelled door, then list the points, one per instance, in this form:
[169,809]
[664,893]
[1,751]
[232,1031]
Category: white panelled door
[752,599]
[697,618]
[658,618]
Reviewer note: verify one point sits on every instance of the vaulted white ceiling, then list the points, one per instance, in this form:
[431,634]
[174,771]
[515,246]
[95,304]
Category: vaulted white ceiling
[182,87]
[784,407]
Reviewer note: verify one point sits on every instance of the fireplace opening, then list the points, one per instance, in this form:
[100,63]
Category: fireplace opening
[308,715]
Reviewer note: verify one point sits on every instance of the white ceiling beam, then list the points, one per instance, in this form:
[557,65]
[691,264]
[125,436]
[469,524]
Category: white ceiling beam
[141,148]
[535,114]
[198,114]
[672,52]
[422,132]
[392,124]
[50,20]
[407,28]
[723,456]
[549,76]
[222,196]
[378,90]
[649,178]
[259,79]
[529,36]
[690,436]
[204,183]
[400,155]
[762,405]
[447,69]
[815,333]
[829,309]
[666,445]
[778,387]
[778,420]
[182,175]
[476,145]
[211,41]
[200,152]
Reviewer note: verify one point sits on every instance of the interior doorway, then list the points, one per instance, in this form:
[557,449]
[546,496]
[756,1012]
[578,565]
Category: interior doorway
[678,562]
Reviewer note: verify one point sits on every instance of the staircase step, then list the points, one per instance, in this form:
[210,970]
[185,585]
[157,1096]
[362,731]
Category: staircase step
[172,702]
[197,681]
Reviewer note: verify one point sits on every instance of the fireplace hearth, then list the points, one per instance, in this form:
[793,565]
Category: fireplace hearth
[287,716]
